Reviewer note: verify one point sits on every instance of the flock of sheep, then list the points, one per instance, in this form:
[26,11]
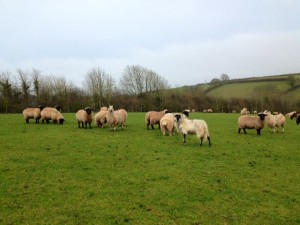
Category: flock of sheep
[166,121]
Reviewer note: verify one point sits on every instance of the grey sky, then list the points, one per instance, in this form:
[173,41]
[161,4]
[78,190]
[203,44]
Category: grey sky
[185,41]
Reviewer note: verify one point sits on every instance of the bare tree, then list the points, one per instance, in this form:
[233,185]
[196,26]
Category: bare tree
[99,85]
[224,78]
[36,75]
[25,85]
[6,90]
[137,80]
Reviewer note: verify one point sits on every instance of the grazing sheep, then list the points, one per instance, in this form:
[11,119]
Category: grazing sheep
[198,127]
[84,117]
[53,114]
[209,110]
[244,111]
[168,123]
[116,117]
[153,117]
[33,113]
[274,121]
[251,122]
[204,110]
[292,114]
[101,117]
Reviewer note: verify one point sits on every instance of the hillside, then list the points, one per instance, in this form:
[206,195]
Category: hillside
[253,87]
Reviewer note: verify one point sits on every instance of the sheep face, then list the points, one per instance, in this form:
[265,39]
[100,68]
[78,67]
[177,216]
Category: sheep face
[177,117]
[88,110]
[110,108]
[61,121]
[186,112]
[262,116]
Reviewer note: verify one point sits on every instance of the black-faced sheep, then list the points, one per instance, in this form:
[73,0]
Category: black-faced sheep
[84,117]
[33,113]
[53,114]
[116,117]
[251,122]
[198,127]
[153,117]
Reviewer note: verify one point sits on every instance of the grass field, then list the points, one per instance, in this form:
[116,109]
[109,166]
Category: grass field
[60,174]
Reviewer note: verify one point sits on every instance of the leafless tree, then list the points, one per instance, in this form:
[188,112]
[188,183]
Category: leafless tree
[36,75]
[25,85]
[99,85]
[137,79]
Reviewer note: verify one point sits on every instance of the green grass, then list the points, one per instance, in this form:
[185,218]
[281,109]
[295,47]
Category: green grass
[60,174]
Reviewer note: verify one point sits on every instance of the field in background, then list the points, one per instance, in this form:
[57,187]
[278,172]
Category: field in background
[60,174]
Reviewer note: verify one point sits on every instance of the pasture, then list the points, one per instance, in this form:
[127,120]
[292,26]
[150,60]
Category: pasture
[60,174]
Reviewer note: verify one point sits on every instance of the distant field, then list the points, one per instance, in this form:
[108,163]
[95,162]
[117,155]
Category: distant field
[60,174]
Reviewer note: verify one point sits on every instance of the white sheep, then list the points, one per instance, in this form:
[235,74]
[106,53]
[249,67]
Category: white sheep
[198,127]
[153,117]
[251,122]
[244,111]
[209,110]
[168,123]
[101,117]
[84,117]
[50,113]
[274,121]
[32,113]
[116,117]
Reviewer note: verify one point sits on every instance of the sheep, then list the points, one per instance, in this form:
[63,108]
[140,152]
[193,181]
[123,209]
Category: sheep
[251,122]
[274,121]
[198,127]
[209,110]
[168,122]
[33,113]
[291,114]
[53,114]
[84,117]
[244,111]
[101,117]
[153,117]
[116,117]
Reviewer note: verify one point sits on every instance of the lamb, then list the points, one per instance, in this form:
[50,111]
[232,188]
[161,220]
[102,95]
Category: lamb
[53,114]
[274,121]
[198,127]
[251,122]
[116,117]
[84,117]
[168,123]
[153,117]
[101,117]
[33,113]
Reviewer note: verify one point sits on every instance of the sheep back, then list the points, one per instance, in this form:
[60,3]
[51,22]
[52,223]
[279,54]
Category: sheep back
[32,113]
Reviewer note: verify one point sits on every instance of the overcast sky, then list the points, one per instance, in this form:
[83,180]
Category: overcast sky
[185,41]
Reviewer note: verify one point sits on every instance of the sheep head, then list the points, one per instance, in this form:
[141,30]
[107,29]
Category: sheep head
[110,108]
[88,110]
[262,115]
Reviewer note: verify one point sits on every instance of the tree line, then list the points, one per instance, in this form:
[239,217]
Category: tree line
[139,89]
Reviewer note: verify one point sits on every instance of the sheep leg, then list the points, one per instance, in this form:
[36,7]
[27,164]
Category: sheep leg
[27,120]
[245,131]
[208,138]
[201,140]
[258,131]
[152,127]
[90,125]
[184,139]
